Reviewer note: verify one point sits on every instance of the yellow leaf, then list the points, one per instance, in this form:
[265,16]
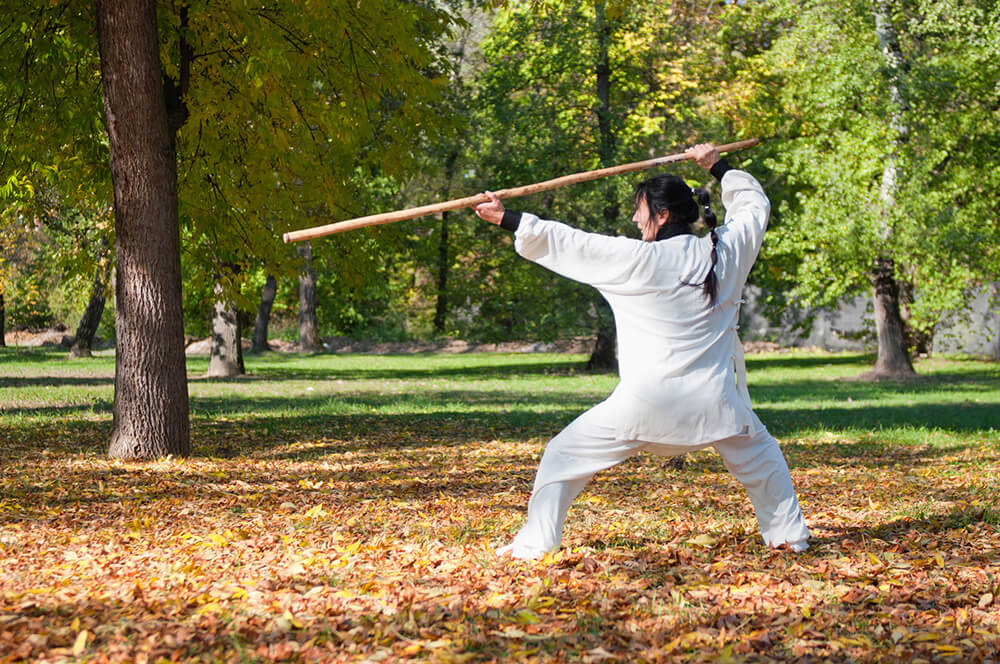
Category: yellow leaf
[704,540]
[497,600]
[80,644]
[925,636]
[412,649]
[316,512]
[940,559]
[526,617]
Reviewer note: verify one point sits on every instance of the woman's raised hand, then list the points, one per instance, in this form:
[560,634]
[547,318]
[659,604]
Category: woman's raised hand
[492,210]
[703,154]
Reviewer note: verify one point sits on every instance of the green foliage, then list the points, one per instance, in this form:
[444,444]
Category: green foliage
[286,115]
[296,114]
[820,86]
[535,116]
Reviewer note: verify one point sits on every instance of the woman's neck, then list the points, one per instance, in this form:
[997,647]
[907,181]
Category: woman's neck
[670,230]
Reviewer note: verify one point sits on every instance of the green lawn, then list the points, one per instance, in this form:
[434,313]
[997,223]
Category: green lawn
[344,508]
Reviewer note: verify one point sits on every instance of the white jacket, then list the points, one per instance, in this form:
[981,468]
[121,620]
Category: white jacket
[683,380]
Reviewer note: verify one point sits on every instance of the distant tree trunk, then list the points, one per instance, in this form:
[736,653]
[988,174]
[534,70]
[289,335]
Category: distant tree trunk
[308,335]
[226,358]
[602,358]
[267,295]
[151,397]
[441,309]
[893,357]
[91,318]
[3,321]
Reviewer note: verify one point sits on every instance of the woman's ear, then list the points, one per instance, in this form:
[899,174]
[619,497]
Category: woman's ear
[663,218]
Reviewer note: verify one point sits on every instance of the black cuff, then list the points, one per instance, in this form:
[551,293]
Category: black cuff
[719,168]
[511,220]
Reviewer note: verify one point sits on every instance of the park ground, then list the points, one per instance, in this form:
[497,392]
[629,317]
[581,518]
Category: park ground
[344,507]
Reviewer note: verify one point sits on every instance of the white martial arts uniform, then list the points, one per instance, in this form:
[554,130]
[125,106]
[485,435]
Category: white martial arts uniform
[683,379]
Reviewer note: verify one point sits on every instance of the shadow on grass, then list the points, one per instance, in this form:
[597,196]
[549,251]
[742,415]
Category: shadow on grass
[56,381]
[758,363]
[836,387]
[22,354]
[934,417]
[432,370]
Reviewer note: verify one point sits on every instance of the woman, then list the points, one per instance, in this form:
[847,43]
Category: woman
[676,300]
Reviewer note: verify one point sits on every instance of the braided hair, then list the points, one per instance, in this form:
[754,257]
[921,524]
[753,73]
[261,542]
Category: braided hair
[669,193]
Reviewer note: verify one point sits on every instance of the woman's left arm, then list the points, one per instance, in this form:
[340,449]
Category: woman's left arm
[747,206]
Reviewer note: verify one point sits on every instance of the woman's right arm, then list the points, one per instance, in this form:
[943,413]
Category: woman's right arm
[590,258]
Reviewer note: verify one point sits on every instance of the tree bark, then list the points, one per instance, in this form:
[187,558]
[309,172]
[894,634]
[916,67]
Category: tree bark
[443,262]
[226,358]
[602,358]
[151,396]
[308,328]
[267,295]
[893,358]
[86,330]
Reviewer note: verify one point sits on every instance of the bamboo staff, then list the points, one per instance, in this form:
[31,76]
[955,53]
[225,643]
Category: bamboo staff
[468,201]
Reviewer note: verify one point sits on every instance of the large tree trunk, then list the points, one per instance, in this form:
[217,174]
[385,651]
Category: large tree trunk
[602,358]
[893,357]
[226,358]
[151,396]
[308,328]
[91,318]
[443,262]
[267,295]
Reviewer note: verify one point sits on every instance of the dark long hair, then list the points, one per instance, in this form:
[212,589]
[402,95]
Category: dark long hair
[669,193]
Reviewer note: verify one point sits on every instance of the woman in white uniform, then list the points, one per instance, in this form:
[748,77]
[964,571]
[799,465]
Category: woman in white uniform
[675,298]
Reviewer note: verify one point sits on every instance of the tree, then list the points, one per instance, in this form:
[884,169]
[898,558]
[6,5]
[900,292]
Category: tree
[308,329]
[271,110]
[86,330]
[259,340]
[151,398]
[882,115]
[226,358]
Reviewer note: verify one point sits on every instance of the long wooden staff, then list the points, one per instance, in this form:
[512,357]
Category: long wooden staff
[412,213]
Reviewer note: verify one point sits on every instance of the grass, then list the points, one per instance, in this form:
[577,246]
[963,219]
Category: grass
[344,508]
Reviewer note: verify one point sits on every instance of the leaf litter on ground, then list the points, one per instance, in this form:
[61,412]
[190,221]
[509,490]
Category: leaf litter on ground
[304,529]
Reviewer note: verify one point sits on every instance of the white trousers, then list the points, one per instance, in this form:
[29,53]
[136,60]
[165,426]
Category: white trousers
[588,445]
